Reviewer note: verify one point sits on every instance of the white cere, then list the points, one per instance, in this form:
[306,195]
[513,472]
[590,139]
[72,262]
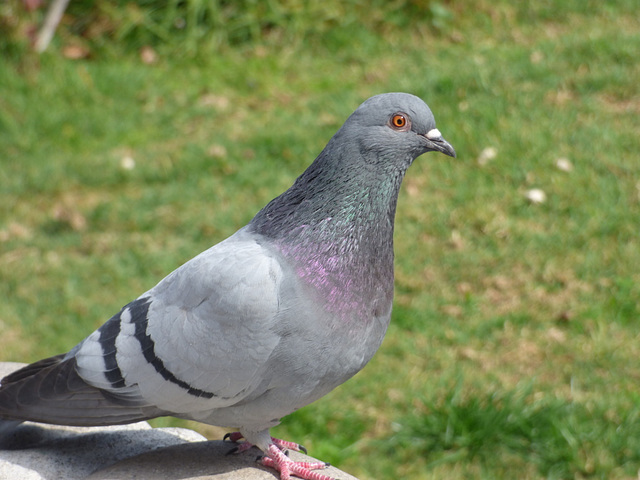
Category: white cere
[434,134]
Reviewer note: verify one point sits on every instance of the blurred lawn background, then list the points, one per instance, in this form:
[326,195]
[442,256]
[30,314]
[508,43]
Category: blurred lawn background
[149,131]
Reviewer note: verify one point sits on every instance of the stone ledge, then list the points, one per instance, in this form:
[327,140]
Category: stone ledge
[32,451]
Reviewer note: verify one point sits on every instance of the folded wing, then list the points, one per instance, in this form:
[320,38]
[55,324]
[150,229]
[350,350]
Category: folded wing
[199,340]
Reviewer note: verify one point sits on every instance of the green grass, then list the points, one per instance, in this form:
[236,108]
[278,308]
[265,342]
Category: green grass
[513,347]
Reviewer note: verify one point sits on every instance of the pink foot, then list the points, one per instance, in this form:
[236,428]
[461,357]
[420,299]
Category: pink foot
[287,467]
[275,458]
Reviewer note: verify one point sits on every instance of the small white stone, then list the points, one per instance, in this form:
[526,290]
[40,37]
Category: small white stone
[535,195]
[127,163]
[434,134]
[564,164]
[217,151]
[487,154]
[536,56]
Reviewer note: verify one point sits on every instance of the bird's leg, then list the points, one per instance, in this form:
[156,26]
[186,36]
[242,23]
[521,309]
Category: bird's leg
[283,445]
[275,458]
[235,437]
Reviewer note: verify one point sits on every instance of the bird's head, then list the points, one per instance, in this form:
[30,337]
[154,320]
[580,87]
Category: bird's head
[395,125]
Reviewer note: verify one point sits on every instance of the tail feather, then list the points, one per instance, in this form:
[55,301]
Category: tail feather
[51,391]
[30,369]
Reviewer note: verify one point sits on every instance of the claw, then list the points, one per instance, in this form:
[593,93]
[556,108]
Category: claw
[233,451]
[235,437]
[283,445]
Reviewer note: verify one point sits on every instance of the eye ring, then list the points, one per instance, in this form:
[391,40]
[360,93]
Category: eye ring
[399,121]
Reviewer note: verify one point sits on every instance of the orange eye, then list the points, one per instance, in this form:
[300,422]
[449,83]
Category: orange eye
[398,120]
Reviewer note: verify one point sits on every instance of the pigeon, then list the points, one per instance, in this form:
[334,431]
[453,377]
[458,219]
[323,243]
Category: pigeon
[263,323]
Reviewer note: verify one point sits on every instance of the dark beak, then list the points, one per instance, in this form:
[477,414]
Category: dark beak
[436,143]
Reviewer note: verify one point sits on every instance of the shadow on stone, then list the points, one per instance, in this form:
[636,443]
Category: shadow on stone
[34,451]
[191,460]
